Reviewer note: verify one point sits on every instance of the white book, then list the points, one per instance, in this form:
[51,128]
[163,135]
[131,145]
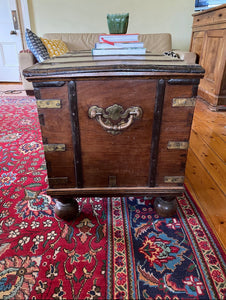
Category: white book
[119,51]
[118,38]
[119,45]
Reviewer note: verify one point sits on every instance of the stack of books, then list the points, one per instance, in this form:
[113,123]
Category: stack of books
[119,44]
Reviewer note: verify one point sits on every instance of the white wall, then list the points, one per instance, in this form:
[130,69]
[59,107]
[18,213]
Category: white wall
[146,16]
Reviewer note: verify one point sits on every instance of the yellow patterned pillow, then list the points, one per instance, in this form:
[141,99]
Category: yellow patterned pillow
[55,47]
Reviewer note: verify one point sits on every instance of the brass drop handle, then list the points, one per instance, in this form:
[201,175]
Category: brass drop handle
[116,127]
[115,113]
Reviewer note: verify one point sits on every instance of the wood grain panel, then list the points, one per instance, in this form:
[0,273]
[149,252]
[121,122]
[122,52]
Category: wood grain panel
[211,138]
[214,120]
[176,122]
[197,43]
[209,197]
[210,161]
[127,154]
[215,15]
[208,133]
[209,42]
[213,49]
[56,128]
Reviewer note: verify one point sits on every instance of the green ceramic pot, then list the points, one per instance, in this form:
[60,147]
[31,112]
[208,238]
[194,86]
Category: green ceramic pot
[118,23]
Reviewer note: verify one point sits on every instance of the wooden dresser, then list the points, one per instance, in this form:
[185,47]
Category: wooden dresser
[115,125]
[209,42]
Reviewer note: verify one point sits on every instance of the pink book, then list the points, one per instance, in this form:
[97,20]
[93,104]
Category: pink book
[113,38]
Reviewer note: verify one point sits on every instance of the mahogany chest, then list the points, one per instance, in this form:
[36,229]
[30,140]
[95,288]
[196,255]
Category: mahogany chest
[115,125]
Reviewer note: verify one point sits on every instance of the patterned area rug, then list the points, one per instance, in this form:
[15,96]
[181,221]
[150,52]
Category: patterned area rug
[117,248]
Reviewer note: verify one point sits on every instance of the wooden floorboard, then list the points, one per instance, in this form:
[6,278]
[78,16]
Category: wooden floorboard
[210,160]
[211,138]
[212,119]
[12,89]
[205,174]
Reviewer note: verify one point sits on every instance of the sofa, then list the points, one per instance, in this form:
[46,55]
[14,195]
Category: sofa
[155,43]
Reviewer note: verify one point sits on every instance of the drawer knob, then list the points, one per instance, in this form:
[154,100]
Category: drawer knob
[114,119]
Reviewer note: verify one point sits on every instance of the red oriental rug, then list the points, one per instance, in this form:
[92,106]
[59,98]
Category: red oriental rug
[117,248]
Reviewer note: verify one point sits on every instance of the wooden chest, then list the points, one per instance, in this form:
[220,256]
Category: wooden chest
[115,126]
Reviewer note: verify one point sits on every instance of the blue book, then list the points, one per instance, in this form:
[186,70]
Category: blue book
[119,45]
[119,51]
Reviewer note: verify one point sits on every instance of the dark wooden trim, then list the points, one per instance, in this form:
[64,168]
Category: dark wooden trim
[118,70]
[48,84]
[44,141]
[58,181]
[217,108]
[195,90]
[192,81]
[88,66]
[41,119]
[30,92]
[211,107]
[123,191]
[157,119]
[37,93]
[72,97]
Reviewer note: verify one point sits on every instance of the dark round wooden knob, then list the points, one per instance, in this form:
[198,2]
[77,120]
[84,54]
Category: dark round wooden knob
[165,207]
[66,208]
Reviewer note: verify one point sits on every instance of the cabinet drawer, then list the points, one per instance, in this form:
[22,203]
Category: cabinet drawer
[210,18]
[220,16]
[202,20]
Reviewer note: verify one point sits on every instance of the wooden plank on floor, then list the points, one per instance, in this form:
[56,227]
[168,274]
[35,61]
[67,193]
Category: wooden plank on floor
[214,120]
[211,138]
[208,219]
[210,198]
[209,160]
[12,89]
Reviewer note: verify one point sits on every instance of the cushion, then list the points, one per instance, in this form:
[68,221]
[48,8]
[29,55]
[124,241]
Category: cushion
[36,46]
[75,41]
[55,47]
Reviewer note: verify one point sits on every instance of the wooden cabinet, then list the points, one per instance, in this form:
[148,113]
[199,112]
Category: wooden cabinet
[209,42]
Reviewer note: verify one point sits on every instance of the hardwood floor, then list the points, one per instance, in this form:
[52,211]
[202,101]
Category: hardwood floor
[206,164]
[11,88]
[206,168]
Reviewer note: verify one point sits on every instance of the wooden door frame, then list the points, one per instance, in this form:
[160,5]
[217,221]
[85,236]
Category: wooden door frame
[24,19]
